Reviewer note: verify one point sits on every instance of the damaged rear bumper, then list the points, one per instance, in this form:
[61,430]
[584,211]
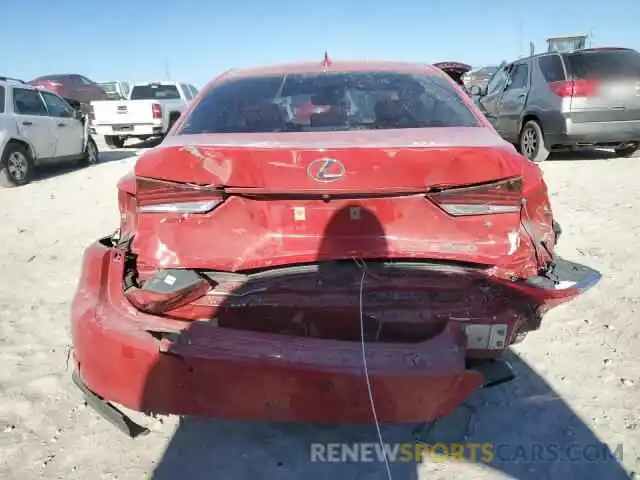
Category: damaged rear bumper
[156,365]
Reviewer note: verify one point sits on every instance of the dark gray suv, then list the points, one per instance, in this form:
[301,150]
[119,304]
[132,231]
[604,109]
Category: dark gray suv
[552,101]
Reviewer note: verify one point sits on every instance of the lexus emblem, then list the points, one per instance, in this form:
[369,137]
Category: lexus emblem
[326,170]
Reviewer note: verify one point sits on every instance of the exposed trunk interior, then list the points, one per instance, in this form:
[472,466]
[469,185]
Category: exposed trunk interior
[402,301]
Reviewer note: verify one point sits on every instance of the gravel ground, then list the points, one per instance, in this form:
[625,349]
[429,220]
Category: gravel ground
[578,383]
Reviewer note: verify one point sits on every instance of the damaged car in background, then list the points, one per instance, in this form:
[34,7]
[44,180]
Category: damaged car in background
[261,261]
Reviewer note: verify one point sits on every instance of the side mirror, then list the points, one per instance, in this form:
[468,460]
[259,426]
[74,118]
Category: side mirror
[476,90]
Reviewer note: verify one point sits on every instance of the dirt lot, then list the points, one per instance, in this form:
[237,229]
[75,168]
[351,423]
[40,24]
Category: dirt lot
[578,384]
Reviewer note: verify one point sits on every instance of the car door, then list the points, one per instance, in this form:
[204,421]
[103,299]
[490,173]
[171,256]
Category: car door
[33,122]
[514,99]
[69,130]
[490,102]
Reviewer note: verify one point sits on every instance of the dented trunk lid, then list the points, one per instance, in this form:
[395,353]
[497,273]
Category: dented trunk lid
[277,211]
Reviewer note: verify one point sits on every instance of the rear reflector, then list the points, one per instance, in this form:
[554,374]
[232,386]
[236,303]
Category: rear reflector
[575,88]
[160,196]
[504,196]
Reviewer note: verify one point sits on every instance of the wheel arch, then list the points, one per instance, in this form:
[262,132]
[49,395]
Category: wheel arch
[20,141]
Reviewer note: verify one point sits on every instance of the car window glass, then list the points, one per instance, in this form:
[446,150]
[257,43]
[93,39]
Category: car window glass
[57,107]
[519,77]
[497,82]
[82,80]
[185,91]
[28,102]
[155,91]
[2,94]
[330,102]
[551,68]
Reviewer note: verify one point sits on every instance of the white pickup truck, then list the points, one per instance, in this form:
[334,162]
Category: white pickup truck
[150,111]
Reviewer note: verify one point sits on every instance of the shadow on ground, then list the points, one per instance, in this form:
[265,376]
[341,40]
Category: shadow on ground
[153,142]
[535,434]
[106,156]
[582,154]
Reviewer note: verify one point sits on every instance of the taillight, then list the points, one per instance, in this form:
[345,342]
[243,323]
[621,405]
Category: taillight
[160,196]
[92,113]
[575,88]
[504,196]
[51,83]
[156,111]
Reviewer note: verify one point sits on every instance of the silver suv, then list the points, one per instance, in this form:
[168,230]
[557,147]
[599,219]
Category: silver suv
[552,101]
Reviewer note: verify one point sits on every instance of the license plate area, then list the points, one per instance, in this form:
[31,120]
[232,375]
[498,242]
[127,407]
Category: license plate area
[122,128]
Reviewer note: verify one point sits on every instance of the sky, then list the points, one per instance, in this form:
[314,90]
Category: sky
[194,40]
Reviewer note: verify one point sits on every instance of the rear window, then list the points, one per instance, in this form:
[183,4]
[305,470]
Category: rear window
[329,102]
[155,92]
[603,64]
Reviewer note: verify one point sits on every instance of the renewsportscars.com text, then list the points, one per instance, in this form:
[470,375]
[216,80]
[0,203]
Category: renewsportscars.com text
[470,452]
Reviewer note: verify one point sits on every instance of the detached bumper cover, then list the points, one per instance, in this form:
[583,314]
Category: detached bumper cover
[155,365]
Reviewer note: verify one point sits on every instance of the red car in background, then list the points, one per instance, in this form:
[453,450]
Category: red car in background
[72,86]
[268,266]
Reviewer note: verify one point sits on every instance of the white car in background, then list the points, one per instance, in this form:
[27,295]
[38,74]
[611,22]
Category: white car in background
[150,111]
[38,127]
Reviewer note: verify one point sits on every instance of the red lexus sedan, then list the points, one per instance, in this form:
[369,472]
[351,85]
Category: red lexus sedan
[272,265]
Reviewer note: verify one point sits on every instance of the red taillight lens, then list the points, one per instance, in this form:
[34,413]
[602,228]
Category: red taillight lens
[504,196]
[92,113]
[159,196]
[51,83]
[575,88]
[156,111]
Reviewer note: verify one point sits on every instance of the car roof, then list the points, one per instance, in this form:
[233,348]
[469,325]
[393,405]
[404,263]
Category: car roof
[332,66]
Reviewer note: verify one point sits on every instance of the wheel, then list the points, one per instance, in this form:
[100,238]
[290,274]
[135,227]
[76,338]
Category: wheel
[114,141]
[531,142]
[91,155]
[627,150]
[17,165]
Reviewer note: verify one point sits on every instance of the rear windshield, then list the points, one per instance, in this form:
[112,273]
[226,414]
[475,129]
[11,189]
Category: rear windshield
[329,102]
[154,92]
[603,64]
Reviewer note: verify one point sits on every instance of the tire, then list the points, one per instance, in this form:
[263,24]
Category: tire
[172,119]
[17,165]
[627,150]
[531,142]
[114,141]
[91,154]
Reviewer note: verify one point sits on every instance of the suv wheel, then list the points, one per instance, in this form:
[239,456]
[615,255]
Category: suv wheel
[531,142]
[91,155]
[114,141]
[17,165]
[627,150]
